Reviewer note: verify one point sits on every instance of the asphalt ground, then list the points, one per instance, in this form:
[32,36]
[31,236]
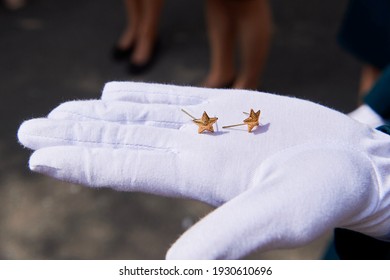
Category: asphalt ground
[54,51]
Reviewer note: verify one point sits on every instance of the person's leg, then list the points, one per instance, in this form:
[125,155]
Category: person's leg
[375,110]
[254,22]
[133,14]
[14,4]
[370,75]
[148,29]
[221,35]
[378,98]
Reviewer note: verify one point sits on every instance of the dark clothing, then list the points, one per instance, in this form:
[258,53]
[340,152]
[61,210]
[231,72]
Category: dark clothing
[365,31]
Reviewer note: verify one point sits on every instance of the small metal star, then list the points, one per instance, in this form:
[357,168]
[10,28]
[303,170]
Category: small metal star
[205,123]
[253,120]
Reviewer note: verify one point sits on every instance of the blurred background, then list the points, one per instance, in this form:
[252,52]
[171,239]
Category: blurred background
[52,51]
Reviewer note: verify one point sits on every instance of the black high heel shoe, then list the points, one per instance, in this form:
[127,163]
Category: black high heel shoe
[227,85]
[138,69]
[119,54]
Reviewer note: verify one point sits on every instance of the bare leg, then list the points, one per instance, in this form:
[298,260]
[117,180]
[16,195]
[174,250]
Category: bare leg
[370,74]
[221,34]
[254,22]
[14,4]
[133,14]
[148,28]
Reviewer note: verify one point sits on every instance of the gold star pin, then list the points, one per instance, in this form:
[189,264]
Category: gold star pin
[252,121]
[205,123]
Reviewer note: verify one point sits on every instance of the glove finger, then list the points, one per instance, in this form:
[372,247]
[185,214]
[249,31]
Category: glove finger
[121,112]
[39,133]
[120,169]
[155,93]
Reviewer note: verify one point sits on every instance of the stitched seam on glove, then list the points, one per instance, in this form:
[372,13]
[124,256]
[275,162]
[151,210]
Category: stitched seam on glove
[117,120]
[135,146]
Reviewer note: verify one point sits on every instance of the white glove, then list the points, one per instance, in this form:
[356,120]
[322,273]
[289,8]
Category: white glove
[365,114]
[305,170]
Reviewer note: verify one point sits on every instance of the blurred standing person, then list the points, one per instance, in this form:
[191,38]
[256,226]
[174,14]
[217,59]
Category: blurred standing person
[375,110]
[250,22]
[138,42]
[365,33]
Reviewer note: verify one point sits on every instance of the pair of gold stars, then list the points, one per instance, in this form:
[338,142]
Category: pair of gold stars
[206,123]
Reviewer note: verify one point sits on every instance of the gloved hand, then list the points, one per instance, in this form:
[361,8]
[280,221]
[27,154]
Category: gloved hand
[305,170]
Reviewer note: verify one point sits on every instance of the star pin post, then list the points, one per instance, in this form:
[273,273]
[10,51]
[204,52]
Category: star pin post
[252,121]
[204,124]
